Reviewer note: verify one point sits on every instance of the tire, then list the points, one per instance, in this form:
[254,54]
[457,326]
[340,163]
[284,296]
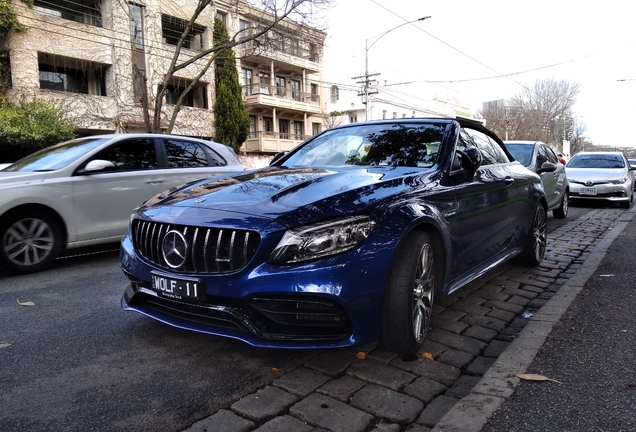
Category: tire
[29,241]
[537,240]
[408,299]
[562,211]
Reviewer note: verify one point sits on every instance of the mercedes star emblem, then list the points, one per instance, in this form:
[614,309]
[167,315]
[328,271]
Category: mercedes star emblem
[174,248]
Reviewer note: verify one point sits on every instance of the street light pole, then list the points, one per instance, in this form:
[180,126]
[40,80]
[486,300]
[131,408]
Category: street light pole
[366,62]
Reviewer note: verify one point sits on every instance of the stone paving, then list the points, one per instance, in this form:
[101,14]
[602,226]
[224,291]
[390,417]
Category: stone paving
[345,391]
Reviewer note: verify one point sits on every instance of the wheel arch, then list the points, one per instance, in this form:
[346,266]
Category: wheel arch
[43,208]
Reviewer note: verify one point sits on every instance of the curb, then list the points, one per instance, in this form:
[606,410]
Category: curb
[500,381]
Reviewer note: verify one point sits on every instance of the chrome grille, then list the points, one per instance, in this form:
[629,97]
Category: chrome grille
[210,250]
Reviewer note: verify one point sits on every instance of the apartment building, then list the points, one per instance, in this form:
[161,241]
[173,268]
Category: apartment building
[82,53]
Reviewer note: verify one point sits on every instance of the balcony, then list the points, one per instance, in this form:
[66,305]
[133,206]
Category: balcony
[285,55]
[274,142]
[284,99]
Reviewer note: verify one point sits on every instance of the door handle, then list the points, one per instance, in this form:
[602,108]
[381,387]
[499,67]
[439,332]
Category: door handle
[509,181]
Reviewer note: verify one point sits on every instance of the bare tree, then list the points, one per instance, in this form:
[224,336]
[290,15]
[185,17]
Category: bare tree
[334,118]
[275,19]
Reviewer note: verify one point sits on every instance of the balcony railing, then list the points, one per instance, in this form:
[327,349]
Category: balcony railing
[280,92]
[284,47]
[278,135]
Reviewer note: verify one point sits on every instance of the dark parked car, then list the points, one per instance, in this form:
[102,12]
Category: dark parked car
[347,239]
[540,158]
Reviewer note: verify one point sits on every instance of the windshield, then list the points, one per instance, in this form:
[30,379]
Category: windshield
[521,152]
[596,161]
[57,156]
[403,145]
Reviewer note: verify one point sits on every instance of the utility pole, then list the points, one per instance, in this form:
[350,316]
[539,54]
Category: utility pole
[366,90]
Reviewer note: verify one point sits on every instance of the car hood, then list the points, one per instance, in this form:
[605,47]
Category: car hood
[584,174]
[291,196]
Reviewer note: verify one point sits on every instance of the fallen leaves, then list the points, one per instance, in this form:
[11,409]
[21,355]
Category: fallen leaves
[428,355]
[4,345]
[26,303]
[361,355]
[536,377]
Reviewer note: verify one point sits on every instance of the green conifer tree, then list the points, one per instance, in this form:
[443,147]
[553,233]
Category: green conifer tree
[231,118]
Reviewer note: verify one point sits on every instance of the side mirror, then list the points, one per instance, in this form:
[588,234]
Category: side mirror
[472,159]
[98,165]
[277,157]
[547,167]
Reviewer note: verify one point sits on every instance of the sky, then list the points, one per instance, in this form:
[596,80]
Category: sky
[478,51]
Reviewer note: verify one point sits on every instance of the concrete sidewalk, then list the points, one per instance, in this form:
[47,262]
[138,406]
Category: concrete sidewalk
[536,409]
[483,335]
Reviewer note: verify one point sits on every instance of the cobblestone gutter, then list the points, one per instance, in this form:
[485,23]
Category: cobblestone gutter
[337,391]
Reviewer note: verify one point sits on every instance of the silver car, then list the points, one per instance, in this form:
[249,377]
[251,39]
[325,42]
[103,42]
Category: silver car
[601,176]
[82,192]
[538,157]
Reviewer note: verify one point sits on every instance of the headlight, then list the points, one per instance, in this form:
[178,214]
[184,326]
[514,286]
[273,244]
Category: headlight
[619,181]
[322,239]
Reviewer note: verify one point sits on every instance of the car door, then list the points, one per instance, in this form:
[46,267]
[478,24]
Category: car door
[104,200]
[554,183]
[487,206]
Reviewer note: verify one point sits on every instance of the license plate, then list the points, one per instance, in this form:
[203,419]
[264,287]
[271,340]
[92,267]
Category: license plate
[177,288]
[587,191]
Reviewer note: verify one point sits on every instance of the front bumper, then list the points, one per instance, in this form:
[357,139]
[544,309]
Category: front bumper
[606,192]
[329,303]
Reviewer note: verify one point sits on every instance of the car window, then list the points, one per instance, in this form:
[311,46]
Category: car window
[490,150]
[411,145]
[130,155]
[552,157]
[522,153]
[182,154]
[596,161]
[542,156]
[57,156]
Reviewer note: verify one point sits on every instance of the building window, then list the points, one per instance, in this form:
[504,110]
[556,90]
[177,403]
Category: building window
[252,127]
[394,114]
[81,11]
[295,89]
[314,93]
[264,82]
[315,128]
[196,98]
[299,131]
[280,86]
[136,25]
[353,119]
[222,16]
[246,78]
[244,31]
[383,114]
[293,47]
[139,83]
[268,127]
[335,94]
[72,76]
[172,28]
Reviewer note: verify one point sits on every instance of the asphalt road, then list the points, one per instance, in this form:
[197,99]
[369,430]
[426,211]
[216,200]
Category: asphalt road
[75,361]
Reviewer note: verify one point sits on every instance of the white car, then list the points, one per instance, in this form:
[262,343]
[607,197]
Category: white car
[82,192]
[604,176]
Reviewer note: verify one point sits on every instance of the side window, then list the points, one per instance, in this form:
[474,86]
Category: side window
[184,154]
[542,156]
[131,155]
[549,154]
[490,150]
